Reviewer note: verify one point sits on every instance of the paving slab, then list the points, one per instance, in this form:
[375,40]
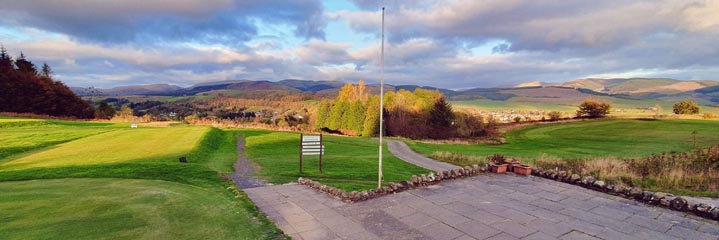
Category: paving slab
[491,206]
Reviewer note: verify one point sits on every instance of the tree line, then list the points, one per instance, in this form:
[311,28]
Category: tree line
[25,89]
[414,114]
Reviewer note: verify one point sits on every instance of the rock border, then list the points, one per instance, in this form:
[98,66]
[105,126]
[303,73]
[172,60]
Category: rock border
[666,200]
[391,188]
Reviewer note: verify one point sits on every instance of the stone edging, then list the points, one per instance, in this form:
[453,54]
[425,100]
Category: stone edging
[666,200]
[414,182]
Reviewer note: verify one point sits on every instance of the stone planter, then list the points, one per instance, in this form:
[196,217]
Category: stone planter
[499,168]
[521,169]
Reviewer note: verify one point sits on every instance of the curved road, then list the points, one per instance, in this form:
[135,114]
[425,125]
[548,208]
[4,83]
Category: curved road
[400,150]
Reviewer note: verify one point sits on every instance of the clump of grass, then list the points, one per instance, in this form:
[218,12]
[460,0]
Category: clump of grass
[694,173]
[459,159]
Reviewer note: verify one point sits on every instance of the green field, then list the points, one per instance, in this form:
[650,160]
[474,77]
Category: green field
[591,139]
[84,180]
[350,163]
[620,107]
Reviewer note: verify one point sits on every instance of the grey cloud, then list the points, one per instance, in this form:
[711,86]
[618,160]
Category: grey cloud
[156,21]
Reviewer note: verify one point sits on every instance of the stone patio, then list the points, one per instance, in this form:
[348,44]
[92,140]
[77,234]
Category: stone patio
[492,206]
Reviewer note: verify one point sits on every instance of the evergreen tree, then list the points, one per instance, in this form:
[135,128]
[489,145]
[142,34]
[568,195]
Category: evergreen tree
[25,66]
[371,120]
[323,114]
[334,122]
[358,116]
[46,70]
[441,118]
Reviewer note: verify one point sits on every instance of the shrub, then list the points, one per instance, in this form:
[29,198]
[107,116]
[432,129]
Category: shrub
[686,107]
[593,108]
[497,159]
[554,115]
[708,116]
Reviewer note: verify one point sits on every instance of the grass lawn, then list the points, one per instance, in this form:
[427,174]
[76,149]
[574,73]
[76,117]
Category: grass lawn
[18,135]
[155,144]
[350,163]
[589,139]
[120,209]
[88,189]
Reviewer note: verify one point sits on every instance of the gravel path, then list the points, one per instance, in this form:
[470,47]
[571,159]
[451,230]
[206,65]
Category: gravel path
[400,150]
[244,168]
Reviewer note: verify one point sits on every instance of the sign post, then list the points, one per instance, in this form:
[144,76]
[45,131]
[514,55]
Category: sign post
[311,145]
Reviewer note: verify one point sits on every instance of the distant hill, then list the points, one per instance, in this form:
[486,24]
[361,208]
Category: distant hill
[639,85]
[127,90]
[311,86]
[627,88]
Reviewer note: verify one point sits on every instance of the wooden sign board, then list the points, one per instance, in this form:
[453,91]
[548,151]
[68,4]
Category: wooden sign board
[311,145]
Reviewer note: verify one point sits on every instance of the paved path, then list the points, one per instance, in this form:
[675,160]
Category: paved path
[244,169]
[400,150]
[492,206]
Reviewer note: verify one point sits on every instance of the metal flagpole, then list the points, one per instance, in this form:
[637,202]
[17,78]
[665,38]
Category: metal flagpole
[381,105]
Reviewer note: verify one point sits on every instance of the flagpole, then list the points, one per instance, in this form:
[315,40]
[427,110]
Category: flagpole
[381,105]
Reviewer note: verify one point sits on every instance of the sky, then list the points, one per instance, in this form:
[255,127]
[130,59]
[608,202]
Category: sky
[450,44]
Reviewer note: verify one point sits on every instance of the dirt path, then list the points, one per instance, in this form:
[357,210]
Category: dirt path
[400,150]
[244,168]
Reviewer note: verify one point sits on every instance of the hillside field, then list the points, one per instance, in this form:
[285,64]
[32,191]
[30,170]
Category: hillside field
[591,139]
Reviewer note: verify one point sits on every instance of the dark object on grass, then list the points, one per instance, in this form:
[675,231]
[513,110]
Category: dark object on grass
[183,159]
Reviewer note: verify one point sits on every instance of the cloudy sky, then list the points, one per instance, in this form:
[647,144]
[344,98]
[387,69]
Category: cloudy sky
[452,43]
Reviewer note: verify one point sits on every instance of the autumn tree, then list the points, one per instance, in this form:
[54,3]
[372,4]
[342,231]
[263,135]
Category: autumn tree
[593,108]
[686,107]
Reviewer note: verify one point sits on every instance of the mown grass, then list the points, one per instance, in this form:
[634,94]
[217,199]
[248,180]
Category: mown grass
[349,163]
[591,139]
[165,199]
[20,135]
[157,144]
[118,209]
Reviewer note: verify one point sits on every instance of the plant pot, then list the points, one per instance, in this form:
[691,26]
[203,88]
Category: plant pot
[511,165]
[523,170]
[499,168]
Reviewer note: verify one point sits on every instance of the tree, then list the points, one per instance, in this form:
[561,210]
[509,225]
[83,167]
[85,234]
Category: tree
[334,122]
[441,118]
[686,107]
[323,114]
[25,66]
[46,70]
[554,115]
[125,114]
[371,120]
[104,111]
[593,108]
